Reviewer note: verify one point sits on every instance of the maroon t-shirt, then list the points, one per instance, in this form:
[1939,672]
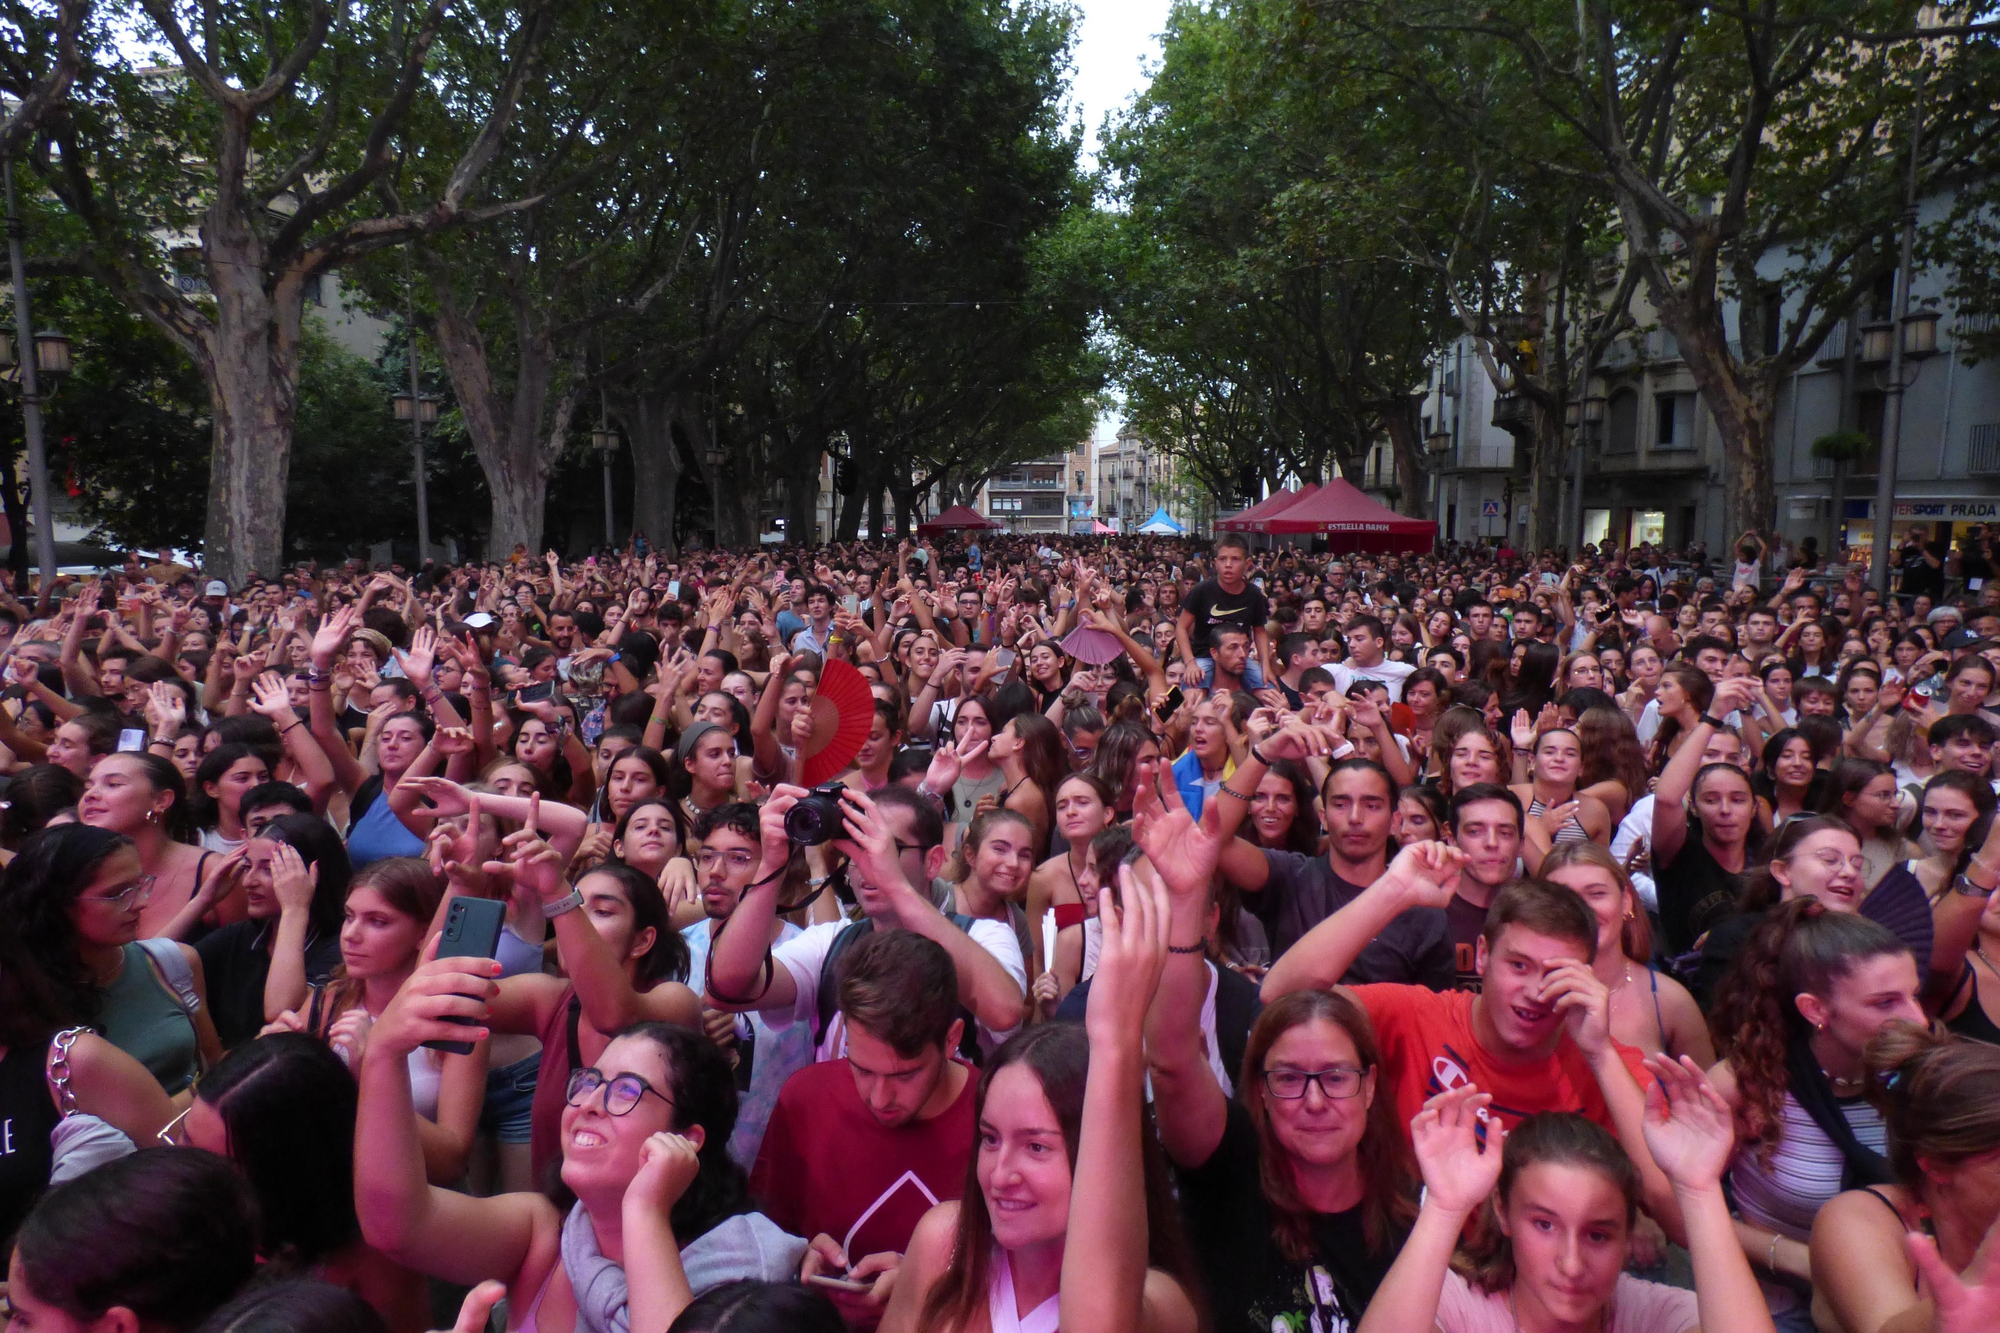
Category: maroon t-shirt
[827,1165]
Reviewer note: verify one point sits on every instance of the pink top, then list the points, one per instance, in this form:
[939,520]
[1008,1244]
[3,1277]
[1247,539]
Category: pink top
[1638,1306]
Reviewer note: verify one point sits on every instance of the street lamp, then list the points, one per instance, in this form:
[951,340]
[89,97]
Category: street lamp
[420,410]
[1438,442]
[51,358]
[605,441]
[52,355]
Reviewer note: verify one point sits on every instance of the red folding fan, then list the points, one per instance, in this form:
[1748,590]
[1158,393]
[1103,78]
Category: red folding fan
[843,711]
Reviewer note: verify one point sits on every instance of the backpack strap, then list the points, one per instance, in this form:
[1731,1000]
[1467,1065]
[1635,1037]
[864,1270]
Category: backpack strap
[828,998]
[174,969]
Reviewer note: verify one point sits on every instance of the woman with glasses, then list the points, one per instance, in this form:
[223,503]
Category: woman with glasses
[622,962]
[661,1213]
[282,1109]
[1296,1182]
[143,797]
[69,911]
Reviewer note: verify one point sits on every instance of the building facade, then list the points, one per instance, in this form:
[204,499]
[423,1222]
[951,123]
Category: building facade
[1477,494]
[1031,496]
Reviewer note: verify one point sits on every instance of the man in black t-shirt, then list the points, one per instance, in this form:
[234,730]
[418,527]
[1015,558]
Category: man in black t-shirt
[1227,599]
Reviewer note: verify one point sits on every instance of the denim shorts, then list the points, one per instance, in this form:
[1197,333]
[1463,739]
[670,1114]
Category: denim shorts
[510,1100]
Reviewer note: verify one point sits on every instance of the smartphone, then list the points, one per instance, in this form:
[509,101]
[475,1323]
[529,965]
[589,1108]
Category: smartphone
[131,741]
[534,694]
[840,1283]
[471,930]
[850,604]
[674,588]
[1171,704]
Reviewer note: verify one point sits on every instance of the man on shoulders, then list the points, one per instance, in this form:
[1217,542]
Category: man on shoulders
[859,1149]
[1227,598]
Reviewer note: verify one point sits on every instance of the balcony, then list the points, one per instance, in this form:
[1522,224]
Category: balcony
[1982,459]
[1822,468]
[1483,457]
[1025,484]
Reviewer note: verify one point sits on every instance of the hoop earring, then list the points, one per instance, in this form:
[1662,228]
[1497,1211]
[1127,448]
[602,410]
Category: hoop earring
[152,816]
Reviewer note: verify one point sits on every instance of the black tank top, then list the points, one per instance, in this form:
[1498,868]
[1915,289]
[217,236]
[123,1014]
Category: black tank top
[1972,1021]
[27,1118]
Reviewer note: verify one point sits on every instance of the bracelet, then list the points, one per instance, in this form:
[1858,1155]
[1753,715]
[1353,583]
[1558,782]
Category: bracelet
[1713,721]
[1772,1262]
[1258,755]
[295,723]
[1199,946]
[1228,790]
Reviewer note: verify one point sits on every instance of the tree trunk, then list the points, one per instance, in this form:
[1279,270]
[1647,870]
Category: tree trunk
[250,358]
[518,435]
[1545,511]
[656,465]
[1740,404]
[1399,419]
[802,496]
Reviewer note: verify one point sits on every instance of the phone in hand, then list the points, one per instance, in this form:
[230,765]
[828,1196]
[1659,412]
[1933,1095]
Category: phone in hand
[534,694]
[1171,704]
[841,1283]
[471,930]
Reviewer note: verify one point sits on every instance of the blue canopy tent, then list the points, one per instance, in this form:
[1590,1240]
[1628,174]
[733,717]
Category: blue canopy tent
[1160,525]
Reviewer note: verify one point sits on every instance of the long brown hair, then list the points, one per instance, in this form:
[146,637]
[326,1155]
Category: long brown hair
[409,886]
[1800,948]
[1487,1258]
[1938,1094]
[1699,689]
[1388,1170]
[1058,1055]
[1611,752]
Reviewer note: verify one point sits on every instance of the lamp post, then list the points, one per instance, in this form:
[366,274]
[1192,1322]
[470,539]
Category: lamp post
[605,441]
[51,358]
[420,410]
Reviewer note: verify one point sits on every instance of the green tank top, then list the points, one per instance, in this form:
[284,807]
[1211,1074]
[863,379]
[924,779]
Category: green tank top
[143,1018]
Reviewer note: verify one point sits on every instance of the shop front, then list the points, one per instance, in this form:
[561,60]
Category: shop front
[1943,518]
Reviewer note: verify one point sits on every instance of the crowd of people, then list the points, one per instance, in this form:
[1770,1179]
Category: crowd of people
[1008,934]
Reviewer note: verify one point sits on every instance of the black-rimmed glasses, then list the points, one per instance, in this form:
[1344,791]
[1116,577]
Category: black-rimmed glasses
[621,1093]
[1336,1084]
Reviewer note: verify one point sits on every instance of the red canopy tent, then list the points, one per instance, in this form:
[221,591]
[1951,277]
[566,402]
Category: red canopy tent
[1262,522]
[1270,504]
[1351,521]
[952,519]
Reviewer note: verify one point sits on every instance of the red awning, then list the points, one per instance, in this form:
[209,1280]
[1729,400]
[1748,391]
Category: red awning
[954,518]
[1270,504]
[1262,522]
[1350,521]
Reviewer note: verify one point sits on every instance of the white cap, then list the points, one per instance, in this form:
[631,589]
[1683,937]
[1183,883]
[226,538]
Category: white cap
[217,588]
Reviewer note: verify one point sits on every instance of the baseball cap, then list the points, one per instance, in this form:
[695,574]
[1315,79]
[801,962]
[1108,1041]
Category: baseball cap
[216,588]
[479,619]
[1960,638]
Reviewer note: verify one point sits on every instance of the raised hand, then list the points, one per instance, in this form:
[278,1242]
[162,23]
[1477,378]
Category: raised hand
[421,657]
[1426,873]
[1523,730]
[948,762]
[1184,852]
[332,636]
[292,880]
[1689,1129]
[1459,1171]
[1135,921]
[668,1164]
[1582,1000]
[268,697]
[166,710]
[440,988]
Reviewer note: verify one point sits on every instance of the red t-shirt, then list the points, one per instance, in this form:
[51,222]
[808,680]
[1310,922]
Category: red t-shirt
[1428,1047]
[827,1165]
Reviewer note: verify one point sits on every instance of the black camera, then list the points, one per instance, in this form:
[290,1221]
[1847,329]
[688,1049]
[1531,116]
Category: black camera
[817,818]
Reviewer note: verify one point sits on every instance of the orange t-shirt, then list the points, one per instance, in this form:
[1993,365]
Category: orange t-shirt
[1428,1047]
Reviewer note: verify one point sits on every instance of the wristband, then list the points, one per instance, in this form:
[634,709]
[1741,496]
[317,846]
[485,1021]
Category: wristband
[1966,887]
[569,902]
[1258,755]
[1713,721]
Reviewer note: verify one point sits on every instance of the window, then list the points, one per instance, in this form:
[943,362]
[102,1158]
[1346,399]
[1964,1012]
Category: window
[1674,425]
[1596,526]
[1648,525]
[1870,407]
[1621,425]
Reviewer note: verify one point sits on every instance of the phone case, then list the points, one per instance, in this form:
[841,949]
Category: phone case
[471,930]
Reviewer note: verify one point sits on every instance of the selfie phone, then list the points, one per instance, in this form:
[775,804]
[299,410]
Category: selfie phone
[674,588]
[131,740]
[1171,704]
[534,694]
[840,1283]
[850,604]
[471,930]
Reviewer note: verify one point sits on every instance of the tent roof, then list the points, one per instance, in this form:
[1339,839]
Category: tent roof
[1262,522]
[1353,522]
[1270,504]
[1161,522]
[958,516]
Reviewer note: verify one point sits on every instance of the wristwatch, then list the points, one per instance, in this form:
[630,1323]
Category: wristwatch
[1713,721]
[569,902]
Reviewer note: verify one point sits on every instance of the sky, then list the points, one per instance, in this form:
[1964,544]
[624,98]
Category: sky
[1117,43]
